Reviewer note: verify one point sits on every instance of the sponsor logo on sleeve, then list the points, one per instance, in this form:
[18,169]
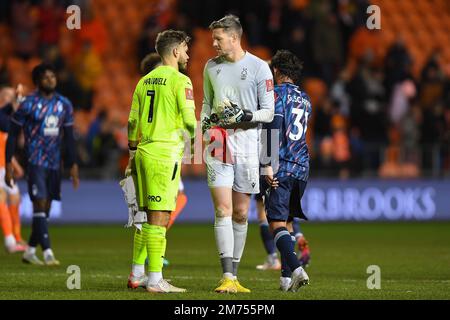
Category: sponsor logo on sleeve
[269,85]
[189,94]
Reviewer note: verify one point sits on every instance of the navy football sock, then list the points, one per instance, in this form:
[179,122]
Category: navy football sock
[267,238]
[285,245]
[35,231]
[40,226]
[296,226]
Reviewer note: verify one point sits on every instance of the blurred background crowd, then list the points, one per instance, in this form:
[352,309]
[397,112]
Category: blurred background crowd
[381,98]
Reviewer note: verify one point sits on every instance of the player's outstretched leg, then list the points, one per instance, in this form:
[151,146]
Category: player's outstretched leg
[137,277]
[285,245]
[302,243]
[272,262]
[11,245]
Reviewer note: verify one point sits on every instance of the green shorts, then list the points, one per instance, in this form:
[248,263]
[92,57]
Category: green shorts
[157,183]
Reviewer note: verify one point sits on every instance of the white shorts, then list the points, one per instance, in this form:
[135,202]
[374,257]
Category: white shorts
[11,191]
[242,176]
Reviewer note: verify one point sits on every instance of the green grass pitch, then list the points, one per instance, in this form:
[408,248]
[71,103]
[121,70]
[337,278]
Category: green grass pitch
[414,259]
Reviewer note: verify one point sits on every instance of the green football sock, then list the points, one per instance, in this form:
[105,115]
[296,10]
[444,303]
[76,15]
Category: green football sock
[139,247]
[156,246]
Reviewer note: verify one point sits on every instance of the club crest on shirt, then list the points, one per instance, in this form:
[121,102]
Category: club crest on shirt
[244,74]
[51,126]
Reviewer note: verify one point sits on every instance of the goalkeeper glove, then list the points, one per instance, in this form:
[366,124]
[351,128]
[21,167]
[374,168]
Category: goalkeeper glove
[231,113]
[208,123]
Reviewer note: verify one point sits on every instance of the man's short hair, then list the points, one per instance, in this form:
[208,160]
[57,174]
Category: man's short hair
[168,39]
[39,71]
[287,64]
[228,23]
[149,63]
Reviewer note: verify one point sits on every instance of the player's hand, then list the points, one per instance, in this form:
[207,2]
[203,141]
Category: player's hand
[20,96]
[9,175]
[268,174]
[74,176]
[230,113]
[209,122]
[130,166]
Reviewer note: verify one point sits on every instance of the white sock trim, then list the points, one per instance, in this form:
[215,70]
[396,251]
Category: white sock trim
[31,250]
[138,270]
[47,253]
[153,278]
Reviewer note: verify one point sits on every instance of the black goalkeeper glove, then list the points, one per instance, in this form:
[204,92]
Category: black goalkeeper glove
[231,113]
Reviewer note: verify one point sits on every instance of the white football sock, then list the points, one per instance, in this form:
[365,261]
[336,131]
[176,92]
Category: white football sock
[138,270]
[153,278]
[47,253]
[10,241]
[223,229]
[240,235]
[31,250]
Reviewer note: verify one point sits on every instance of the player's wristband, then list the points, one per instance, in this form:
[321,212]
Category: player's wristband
[248,116]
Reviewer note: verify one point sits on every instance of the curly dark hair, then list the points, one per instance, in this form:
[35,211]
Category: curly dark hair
[39,71]
[287,64]
[149,63]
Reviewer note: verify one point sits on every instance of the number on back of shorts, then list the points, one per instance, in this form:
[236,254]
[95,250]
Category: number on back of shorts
[151,94]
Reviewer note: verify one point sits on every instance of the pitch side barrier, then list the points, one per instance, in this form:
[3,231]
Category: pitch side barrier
[324,200]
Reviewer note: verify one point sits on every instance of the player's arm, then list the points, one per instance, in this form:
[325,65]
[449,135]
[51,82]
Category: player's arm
[266,99]
[5,114]
[133,129]
[208,98]
[186,105]
[17,168]
[272,131]
[236,114]
[69,140]
[16,122]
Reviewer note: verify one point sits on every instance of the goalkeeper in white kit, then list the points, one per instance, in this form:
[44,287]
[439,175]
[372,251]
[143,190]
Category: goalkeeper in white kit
[238,95]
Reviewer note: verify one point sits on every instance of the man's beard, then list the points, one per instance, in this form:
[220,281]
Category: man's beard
[47,91]
[182,67]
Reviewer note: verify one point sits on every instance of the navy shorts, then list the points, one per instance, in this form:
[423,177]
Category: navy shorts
[285,201]
[44,183]
[263,188]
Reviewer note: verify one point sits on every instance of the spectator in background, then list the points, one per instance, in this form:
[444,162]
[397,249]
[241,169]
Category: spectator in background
[24,31]
[146,42]
[367,108]
[67,84]
[398,64]
[338,92]
[4,75]
[432,81]
[5,7]
[341,146]
[326,41]
[50,17]
[394,166]
[87,68]
[400,102]
[93,132]
[93,31]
